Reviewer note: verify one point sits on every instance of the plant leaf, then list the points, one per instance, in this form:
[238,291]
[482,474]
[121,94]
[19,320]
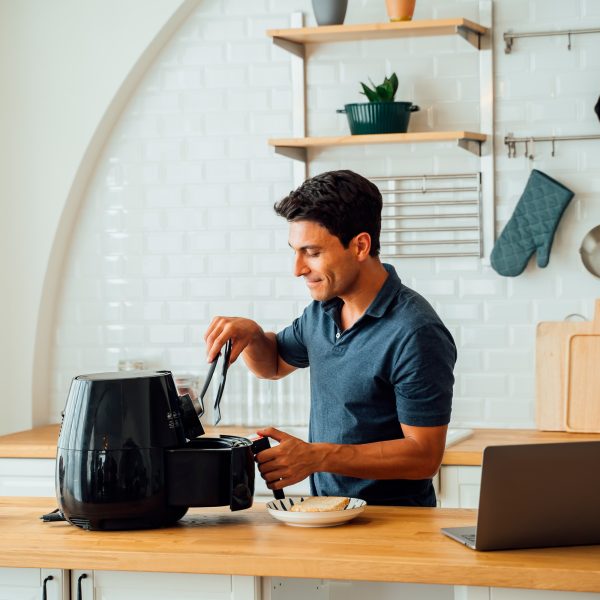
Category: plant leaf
[394,82]
[384,91]
[369,93]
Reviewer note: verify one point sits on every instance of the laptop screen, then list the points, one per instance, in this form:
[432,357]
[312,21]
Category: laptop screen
[537,495]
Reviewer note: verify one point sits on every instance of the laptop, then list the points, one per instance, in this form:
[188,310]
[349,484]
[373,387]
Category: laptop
[535,496]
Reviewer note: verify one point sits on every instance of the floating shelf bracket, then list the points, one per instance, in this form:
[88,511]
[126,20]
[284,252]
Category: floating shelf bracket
[472,37]
[300,154]
[509,36]
[292,47]
[472,146]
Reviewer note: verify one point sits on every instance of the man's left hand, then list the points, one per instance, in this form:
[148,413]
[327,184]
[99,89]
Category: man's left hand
[291,461]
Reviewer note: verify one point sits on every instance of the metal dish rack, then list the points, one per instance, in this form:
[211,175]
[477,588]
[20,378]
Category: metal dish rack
[429,216]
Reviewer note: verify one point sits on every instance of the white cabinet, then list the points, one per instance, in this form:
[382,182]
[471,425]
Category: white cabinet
[29,584]
[124,585]
[27,477]
[485,593]
[320,589]
[512,594]
[323,589]
[459,486]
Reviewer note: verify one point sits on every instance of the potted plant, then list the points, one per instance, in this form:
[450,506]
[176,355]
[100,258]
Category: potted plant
[381,114]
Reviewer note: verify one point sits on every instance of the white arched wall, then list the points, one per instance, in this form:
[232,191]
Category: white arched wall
[201,183]
[67,69]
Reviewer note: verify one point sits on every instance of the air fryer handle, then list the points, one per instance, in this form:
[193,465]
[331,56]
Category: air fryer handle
[262,443]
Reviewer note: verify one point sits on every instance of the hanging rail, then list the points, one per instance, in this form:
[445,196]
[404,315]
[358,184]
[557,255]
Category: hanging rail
[509,37]
[511,142]
[407,233]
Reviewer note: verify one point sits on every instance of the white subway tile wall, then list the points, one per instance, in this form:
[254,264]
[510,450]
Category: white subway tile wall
[177,224]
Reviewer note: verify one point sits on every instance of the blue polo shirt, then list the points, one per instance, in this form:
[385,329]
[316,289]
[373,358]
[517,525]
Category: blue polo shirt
[394,365]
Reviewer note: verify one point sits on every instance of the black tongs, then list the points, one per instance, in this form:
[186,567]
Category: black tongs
[213,366]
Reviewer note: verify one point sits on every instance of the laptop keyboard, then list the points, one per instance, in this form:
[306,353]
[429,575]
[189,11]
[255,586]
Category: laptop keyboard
[470,537]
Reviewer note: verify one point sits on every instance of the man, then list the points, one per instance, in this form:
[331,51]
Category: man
[381,361]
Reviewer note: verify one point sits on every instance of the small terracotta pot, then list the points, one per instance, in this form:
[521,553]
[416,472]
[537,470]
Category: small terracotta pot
[400,10]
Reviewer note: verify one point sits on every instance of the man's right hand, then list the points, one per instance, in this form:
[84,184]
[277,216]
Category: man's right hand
[240,331]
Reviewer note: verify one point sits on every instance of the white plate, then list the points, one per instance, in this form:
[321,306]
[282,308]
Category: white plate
[280,509]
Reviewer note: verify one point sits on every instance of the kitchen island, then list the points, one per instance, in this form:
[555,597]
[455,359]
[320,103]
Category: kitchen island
[257,558]
[382,544]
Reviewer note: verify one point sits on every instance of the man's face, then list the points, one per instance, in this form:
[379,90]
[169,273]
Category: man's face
[328,268]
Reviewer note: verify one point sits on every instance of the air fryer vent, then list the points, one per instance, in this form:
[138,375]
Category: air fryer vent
[83,523]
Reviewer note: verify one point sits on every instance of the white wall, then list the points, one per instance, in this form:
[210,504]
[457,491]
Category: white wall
[177,223]
[64,68]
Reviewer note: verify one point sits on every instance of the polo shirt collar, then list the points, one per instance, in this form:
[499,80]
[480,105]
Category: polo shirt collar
[386,294]
[380,304]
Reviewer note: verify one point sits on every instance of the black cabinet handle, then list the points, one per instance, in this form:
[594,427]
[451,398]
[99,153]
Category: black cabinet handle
[44,592]
[84,576]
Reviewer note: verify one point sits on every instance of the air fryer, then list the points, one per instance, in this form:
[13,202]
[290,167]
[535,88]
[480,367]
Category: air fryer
[132,454]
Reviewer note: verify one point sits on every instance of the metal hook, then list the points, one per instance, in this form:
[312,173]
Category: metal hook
[569,38]
[526,148]
[553,147]
[424,184]
[530,155]
[512,149]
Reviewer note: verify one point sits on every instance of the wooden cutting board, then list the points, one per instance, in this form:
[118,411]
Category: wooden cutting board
[582,379]
[550,365]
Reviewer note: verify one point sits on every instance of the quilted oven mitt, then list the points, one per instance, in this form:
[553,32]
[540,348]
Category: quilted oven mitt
[531,227]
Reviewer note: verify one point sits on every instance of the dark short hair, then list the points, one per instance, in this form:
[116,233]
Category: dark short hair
[343,202]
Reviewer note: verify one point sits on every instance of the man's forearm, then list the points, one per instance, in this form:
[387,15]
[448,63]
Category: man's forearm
[393,459]
[261,356]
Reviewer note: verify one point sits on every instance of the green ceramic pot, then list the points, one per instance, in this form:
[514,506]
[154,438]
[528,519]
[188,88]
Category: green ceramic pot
[378,117]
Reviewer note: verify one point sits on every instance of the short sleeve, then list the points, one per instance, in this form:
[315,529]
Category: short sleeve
[290,344]
[423,377]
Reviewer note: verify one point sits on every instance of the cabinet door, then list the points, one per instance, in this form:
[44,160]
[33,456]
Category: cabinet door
[126,585]
[27,477]
[511,594]
[459,487]
[28,584]
[275,588]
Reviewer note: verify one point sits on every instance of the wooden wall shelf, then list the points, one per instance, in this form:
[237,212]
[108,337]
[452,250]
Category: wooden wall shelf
[297,147]
[293,39]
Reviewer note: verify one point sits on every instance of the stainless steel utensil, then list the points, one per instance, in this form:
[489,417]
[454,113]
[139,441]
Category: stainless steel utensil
[590,251]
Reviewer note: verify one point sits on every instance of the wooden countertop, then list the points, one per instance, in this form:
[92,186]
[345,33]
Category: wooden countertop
[470,451]
[40,442]
[382,544]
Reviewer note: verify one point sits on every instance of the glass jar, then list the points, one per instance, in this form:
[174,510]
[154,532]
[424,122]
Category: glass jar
[131,364]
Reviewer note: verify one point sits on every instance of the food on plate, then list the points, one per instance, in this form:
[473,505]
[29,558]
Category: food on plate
[321,504]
